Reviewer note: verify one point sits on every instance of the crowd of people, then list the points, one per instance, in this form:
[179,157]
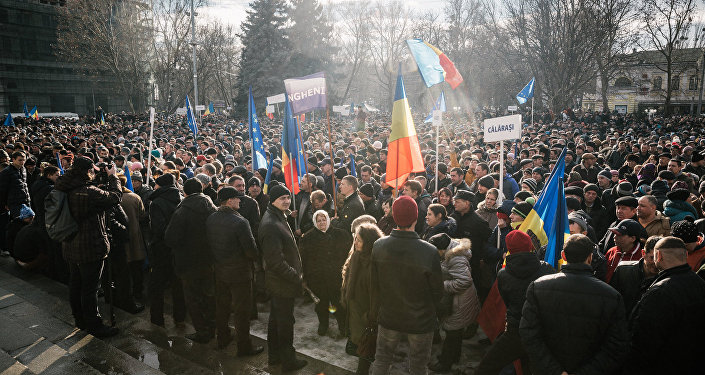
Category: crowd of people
[194,218]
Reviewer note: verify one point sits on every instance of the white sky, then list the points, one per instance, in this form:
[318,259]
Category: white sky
[232,12]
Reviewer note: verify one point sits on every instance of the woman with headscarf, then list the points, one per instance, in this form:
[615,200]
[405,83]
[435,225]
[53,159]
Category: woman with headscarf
[487,209]
[323,251]
[356,290]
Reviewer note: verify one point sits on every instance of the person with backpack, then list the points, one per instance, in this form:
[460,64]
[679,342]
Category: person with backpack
[86,250]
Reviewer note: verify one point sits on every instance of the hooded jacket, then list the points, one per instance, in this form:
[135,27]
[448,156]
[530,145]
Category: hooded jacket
[88,204]
[513,280]
[457,281]
[186,234]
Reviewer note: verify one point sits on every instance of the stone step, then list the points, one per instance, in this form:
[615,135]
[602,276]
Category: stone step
[161,349]
[10,366]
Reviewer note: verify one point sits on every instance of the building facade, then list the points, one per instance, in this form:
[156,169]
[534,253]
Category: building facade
[640,83]
[31,73]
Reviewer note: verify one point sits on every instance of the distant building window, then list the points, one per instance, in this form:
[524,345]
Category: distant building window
[693,83]
[658,83]
[644,90]
[622,82]
[675,83]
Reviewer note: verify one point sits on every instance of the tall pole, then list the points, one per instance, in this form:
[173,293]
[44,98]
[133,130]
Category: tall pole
[193,57]
[330,151]
[151,139]
[501,176]
[702,77]
[532,111]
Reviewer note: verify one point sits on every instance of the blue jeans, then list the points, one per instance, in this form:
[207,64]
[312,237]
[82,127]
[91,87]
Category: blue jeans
[419,351]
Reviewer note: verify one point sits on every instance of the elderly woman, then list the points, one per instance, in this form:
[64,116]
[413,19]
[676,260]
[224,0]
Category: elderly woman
[462,305]
[323,251]
[356,289]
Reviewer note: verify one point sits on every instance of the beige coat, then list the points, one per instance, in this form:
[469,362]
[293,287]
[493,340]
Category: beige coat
[134,208]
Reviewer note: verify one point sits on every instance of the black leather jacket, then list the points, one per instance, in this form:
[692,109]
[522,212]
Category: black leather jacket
[232,244]
[282,263]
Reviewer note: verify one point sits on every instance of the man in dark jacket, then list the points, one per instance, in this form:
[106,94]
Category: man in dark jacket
[163,203]
[234,251]
[632,278]
[13,185]
[353,207]
[248,208]
[87,250]
[405,294]
[283,279]
[572,322]
[193,260]
[667,324]
[512,281]
[473,227]
[414,189]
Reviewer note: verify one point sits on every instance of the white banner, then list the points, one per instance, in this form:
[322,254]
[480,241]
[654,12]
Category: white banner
[276,99]
[437,117]
[342,109]
[501,128]
[269,109]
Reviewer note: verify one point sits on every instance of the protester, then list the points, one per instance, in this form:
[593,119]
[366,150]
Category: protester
[283,279]
[632,278]
[87,250]
[572,322]
[667,321]
[438,222]
[234,251]
[355,291]
[405,296]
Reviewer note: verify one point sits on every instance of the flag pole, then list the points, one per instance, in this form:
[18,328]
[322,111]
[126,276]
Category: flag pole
[532,111]
[151,139]
[501,182]
[438,130]
[330,151]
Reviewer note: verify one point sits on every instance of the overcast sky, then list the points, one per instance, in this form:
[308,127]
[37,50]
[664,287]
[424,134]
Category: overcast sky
[232,12]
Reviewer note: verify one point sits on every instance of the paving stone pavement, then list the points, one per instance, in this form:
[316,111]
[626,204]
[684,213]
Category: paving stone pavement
[37,336]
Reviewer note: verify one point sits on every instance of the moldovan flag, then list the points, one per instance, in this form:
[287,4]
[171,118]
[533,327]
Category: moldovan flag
[404,153]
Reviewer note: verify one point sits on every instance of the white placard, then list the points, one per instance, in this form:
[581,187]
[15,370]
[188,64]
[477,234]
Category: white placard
[437,117]
[151,115]
[513,108]
[269,109]
[501,128]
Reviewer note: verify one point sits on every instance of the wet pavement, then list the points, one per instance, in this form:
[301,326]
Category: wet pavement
[37,336]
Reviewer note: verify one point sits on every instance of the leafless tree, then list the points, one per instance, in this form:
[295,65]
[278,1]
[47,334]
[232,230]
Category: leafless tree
[665,24]
[352,30]
[108,37]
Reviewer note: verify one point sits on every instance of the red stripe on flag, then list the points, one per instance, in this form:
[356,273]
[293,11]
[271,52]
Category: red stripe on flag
[452,76]
[401,161]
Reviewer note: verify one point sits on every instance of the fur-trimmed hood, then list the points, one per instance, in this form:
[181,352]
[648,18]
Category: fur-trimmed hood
[459,247]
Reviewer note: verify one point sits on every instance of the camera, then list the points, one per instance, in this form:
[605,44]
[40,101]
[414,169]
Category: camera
[101,177]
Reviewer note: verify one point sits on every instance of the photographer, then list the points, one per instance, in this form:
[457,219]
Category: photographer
[87,250]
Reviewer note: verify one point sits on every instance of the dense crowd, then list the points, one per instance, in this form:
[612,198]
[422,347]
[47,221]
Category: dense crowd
[200,223]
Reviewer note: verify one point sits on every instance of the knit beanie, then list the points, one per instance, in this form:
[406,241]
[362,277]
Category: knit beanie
[278,191]
[440,241]
[405,211]
[518,242]
[522,209]
[625,189]
[686,230]
[192,186]
[487,181]
[165,180]
[531,183]
[591,187]
[606,174]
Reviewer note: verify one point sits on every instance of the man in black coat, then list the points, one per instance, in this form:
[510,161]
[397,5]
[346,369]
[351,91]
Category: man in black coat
[405,295]
[457,180]
[632,278]
[13,185]
[248,207]
[667,324]
[163,202]
[476,229]
[193,260]
[283,278]
[353,207]
[234,251]
[572,322]
[512,281]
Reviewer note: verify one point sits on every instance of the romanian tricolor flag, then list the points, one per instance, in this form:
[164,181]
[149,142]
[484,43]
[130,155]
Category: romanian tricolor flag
[434,66]
[548,220]
[102,118]
[292,153]
[34,113]
[209,111]
[404,153]
[268,178]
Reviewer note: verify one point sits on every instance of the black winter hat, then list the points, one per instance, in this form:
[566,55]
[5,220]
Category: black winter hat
[192,186]
[278,191]
[686,230]
[340,173]
[228,192]
[165,180]
[367,190]
[440,241]
[522,209]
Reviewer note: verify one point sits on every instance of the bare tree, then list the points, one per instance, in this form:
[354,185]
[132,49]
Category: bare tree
[558,39]
[390,25]
[616,18]
[429,26]
[352,30]
[108,37]
[665,24]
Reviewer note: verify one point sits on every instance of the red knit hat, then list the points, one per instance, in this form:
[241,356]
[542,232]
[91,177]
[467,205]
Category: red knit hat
[518,242]
[503,216]
[405,211]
